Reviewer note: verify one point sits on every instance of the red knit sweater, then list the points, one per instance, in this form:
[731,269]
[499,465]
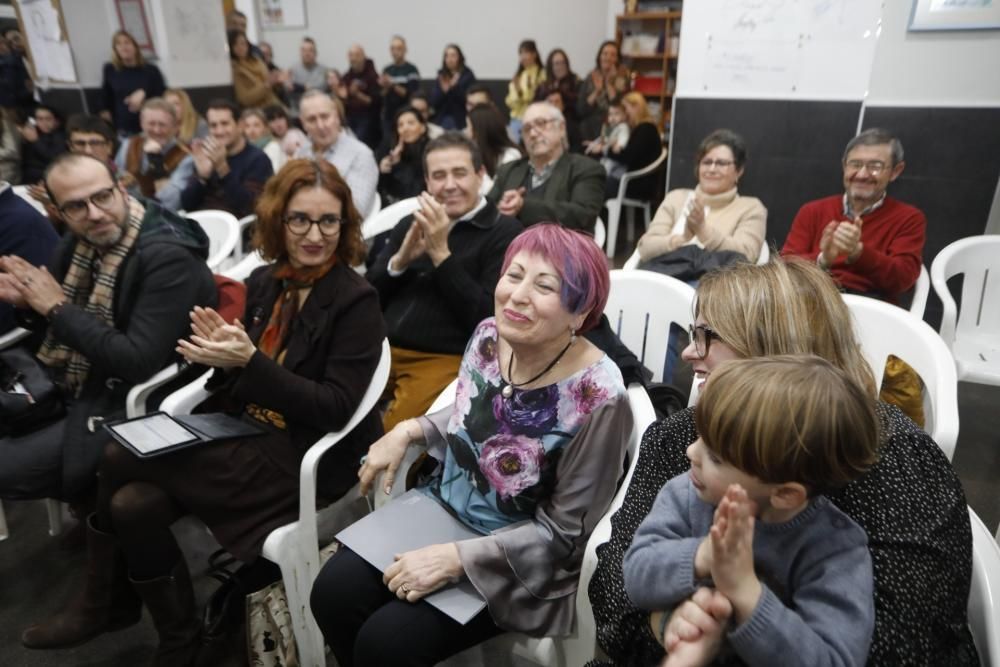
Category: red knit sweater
[893,236]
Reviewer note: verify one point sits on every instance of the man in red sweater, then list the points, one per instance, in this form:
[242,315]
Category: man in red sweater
[871,243]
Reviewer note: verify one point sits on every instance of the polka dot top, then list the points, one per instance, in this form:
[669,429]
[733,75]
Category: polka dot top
[910,503]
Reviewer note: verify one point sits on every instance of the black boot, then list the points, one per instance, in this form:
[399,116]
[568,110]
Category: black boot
[106,602]
[170,601]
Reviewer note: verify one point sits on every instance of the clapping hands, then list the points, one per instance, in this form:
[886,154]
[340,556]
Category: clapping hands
[214,342]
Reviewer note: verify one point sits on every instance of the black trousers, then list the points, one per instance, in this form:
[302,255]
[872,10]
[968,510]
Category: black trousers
[367,626]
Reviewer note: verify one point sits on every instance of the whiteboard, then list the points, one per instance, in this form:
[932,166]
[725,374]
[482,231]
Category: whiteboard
[809,49]
[191,42]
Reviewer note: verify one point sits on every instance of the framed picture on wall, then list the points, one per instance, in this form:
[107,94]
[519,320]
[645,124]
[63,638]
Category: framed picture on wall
[132,19]
[955,15]
[282,14]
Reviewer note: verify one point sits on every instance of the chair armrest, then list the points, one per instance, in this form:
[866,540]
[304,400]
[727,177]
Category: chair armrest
[949,310]
[186,399]
[135,403]
[13,337]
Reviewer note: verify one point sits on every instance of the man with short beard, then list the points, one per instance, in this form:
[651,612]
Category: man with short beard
[109,310]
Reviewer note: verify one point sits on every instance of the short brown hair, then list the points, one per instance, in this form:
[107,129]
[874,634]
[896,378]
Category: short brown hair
[269,232]
[789,418]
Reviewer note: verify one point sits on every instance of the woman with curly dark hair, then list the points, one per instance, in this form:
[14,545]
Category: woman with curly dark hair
[296,367]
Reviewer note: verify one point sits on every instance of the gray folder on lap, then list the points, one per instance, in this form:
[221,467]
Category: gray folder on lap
[412,521]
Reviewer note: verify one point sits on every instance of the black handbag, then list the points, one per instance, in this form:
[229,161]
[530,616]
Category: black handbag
[29,399]
[689,262]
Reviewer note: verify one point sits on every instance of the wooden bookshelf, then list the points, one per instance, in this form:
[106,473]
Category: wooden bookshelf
[649,43]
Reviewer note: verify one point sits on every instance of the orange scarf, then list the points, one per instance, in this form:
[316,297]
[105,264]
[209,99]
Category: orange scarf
[275,337]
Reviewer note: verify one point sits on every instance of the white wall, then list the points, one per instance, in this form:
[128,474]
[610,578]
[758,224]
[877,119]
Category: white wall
[939,68]
[487,30]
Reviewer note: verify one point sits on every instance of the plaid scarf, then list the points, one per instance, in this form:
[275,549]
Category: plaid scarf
[94,291]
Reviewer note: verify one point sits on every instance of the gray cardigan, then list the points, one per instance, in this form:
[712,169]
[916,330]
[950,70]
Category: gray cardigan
[815,570]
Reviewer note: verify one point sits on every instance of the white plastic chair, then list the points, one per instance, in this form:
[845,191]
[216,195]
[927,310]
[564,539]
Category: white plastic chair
[884,329]
[984,593]
[920,292]
[22,192]
[223,231]
[245,223]
[387,218]
[616,205]
[641,307]
[600,233]
[974,333]
[295,547]
[581,646]
[375,207]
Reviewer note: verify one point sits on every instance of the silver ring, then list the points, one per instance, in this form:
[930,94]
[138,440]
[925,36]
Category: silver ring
[406,591]
[26,281]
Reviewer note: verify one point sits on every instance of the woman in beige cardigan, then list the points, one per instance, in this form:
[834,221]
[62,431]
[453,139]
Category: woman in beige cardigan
[713,216]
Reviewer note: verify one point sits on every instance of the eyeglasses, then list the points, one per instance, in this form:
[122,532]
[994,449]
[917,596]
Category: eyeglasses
[721,164]
[300,224]
[873,167]
[81,144]
[541,125]
[76,209]
[702,336]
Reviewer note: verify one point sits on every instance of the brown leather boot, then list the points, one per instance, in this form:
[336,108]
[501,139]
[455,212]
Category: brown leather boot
[170,601]
[106,602]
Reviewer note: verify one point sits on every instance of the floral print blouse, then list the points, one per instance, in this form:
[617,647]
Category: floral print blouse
[502,453]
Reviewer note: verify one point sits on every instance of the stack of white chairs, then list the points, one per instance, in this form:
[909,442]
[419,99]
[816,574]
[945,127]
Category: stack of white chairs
[223,231]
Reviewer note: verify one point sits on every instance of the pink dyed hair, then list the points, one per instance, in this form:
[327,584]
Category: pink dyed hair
[581,266]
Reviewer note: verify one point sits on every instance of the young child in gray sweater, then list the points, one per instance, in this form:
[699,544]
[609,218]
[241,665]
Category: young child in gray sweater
[749,519]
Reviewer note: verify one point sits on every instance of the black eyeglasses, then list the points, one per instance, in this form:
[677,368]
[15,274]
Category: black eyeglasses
[300,223]
[76,209]
[81,144]
[702,336]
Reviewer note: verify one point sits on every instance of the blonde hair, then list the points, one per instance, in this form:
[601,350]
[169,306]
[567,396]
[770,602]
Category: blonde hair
[789,418]
[783,307]
[638,100]
[187,124]
[116,59]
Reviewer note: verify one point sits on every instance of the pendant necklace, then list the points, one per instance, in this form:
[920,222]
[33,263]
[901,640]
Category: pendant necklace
[508,389]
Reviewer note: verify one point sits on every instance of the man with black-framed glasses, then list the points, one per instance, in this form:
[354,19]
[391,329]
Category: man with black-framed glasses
[108,311]
[870,243]
[550,184]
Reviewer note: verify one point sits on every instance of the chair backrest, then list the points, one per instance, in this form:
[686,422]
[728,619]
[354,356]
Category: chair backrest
[638,173]
[973,257]
[223,231]
[387,218]
[984,593]
[242,269]
[245,223]
[920,292]
[375,207]
[600,233]
[884,329]
[22,192]
[765,253]
[641,307]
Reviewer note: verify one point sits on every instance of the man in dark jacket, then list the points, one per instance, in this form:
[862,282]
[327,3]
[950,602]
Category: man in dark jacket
[111,307]
[551,184]
[436,275]
[364,97]
[23,232]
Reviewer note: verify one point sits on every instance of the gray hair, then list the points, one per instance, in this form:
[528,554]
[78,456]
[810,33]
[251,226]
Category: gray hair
[877,137]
